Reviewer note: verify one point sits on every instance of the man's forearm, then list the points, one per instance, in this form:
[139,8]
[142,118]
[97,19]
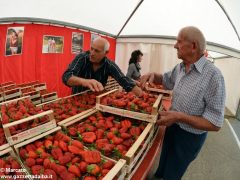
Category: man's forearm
[75,81]
[197,122]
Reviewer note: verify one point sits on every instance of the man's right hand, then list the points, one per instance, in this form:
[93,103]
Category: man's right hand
[92,84]
[146,78]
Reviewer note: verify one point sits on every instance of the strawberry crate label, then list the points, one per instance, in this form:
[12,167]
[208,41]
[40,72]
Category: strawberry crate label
[31,133]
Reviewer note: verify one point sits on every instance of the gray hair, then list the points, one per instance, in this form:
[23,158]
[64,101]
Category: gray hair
[106,46]
[192,33]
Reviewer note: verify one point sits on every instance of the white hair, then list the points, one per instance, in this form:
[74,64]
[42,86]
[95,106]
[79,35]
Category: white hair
[194,34]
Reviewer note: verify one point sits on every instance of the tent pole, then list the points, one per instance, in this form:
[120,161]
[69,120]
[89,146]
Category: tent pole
[140,2]
[229,19]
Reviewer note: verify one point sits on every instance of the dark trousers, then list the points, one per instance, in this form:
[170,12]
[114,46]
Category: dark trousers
[179,149]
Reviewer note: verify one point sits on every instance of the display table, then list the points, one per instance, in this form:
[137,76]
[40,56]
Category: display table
[153,152]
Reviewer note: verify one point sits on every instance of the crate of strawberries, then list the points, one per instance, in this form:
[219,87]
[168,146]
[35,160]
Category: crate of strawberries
[56,155]
[71,107]
[21,120]
[144,107]
[159,89]
[114,136]
[10,166]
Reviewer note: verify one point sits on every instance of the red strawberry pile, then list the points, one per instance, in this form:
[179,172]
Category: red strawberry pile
[19,110]
[71,106]
[109,134]
[63,158]
[44,91]
[8,163]
[130,102]
[27,90]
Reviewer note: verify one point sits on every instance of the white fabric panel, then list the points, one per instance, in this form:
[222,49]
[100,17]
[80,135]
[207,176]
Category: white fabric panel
[156,57]
[230,69]
[104,15]
[156,17]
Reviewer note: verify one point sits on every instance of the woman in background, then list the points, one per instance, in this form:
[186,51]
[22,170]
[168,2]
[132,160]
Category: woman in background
[134,66]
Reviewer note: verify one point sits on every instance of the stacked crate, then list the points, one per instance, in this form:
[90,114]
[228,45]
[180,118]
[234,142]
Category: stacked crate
[111,84]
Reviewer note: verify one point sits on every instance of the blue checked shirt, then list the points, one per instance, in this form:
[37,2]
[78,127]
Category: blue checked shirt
[82,67]
[200,92]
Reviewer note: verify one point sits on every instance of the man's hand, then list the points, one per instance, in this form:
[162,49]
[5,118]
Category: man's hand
[167,118]
[137,91]
[146,78]
[92,84]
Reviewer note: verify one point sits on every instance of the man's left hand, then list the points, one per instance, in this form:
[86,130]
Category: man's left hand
[167,118]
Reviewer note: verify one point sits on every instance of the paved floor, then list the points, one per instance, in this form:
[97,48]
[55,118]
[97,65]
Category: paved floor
[219,158]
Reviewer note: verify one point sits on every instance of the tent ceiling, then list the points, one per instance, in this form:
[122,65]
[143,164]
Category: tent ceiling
[153,17]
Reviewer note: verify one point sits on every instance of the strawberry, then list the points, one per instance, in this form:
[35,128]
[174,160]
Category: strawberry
[72,131]
[77,144]
[32,154]
[91,156]
[135,131]
[23,153]
[49,173]
[30,162]
[2,163]
[125,135]
[39,161]
[63,145]
[74,149]
[38,144]
[90,178]
[126,124]
[99,133]
[64,159]
[74,169]
[110,135]
[104,172]
[67,175]
[117,140]
[75,160]
[31,147]
[83,166]
[93,169]
[88,137]
[37,169]
[56,152]
[46,163]
[107,164]
[48,144]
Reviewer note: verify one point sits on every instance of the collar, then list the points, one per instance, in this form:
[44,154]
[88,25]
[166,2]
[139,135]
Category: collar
[198,64]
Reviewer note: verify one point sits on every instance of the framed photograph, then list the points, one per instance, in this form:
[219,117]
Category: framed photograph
[52,44]
[14,41]
[77,43]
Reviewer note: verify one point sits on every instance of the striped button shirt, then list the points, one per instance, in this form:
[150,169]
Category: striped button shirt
[200,92]
[82,67]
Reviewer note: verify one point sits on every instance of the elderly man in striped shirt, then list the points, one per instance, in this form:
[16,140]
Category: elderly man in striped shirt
[197,105]
[90,70]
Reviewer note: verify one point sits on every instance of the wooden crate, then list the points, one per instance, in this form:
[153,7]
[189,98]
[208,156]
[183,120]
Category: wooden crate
[118,171]
[1,96]
[167,94]
[36,101]
[136,151]
[7,83]
[40,86]
[29,133]
[49,97]
[123,112]
[31,83]
[10,152]
[12,94]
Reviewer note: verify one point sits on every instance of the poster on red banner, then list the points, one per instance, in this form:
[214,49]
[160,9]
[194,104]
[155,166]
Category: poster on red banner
[14,41]
[52,44]
[77,43]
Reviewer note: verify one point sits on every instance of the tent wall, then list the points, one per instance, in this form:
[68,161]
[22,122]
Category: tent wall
[160,56]
[230,69]
[32,64]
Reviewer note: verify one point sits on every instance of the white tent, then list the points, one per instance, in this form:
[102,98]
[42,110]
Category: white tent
[150,25]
